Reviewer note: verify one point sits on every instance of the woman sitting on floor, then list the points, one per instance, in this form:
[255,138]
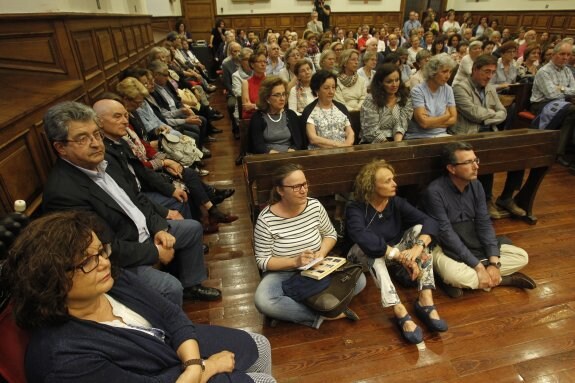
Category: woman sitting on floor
[292,231]
[377,224]
[387,110]
[92,322]
[273,128]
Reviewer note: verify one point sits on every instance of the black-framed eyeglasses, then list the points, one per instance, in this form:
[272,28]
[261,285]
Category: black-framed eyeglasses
[468,162]
[88,139]
[298,187]
[93,260]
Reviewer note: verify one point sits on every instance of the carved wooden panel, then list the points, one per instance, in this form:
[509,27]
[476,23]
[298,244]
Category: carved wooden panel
[107,52]
[97,91]
[138,37]
[31,51]
[540,21]
[120,44]
[511,21]
[86,52]
[130,41]
[558,21]
[527,20]
[571,23]
[285,22]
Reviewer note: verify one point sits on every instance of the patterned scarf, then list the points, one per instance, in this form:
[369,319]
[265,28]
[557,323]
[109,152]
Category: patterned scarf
[346,80]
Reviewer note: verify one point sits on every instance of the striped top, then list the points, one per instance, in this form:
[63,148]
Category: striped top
[285,237]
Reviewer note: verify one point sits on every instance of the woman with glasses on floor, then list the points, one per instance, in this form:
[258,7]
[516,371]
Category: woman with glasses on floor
[392,237]
[91,322]
[273,128]
[290,232]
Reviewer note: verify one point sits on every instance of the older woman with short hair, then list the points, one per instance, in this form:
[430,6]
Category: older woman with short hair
[392,236]
[350,89]
[273,128]
[464,70]
[387,110]
[327,60]
[506,73]
[251,86]
[326,120]
[93,322]
[368,69]
[433,101]
[301,95]
[421,59]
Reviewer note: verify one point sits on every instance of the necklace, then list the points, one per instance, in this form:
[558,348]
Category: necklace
[378,213]
[279,119]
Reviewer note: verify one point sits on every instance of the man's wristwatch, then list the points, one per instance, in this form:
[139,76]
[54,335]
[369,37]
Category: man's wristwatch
[494,264]
[191,362]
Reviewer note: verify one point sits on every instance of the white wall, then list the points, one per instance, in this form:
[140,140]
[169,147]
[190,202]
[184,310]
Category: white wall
[510,5]
[304,6]
[125,7]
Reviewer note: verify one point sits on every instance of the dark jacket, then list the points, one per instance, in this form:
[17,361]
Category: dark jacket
[88,351]
[306,113]
[258,125]
[67,188]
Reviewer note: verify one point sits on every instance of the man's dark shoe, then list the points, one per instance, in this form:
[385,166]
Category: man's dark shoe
[201,293]
[519,280]
[216,116]
[215,130]
[221,194]
[211,228]
[563,161]
[237,134]
[451,291]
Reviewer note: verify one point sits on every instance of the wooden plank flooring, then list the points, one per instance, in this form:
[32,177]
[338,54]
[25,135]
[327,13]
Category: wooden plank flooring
[506,335]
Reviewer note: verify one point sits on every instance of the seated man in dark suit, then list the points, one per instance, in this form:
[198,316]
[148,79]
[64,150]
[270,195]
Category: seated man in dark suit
[85,178]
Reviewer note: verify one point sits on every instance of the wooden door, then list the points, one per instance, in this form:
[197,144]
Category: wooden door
[200,17]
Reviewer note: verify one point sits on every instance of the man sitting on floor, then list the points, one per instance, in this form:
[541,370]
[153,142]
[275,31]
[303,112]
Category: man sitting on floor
[472,257]
[84,178]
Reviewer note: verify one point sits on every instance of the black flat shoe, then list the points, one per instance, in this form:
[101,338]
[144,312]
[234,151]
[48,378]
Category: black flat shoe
[351,315]
[201,293]
[216,131]
[222,194]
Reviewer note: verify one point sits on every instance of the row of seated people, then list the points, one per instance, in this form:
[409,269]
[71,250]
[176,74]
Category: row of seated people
[451,240]
[389,112]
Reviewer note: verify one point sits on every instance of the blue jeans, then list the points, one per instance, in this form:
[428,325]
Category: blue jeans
[271,301]
[170,203]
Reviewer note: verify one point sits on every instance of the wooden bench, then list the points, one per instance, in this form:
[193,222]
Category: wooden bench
[416,162]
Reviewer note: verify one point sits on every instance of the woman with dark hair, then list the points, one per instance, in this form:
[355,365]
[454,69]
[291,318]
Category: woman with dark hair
[301,95]
[392,237]
[438,45]
[92,322]
[217,36]
[273,128]
[506,73]
[452,43]
[528,68]
[180,28]
[326,120]
[387,110]
[251,86]
[290,232]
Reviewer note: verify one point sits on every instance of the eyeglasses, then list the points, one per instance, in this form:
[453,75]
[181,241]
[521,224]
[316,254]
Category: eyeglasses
[92,261]
[279,95]
[488,72]
[88,139]
[468,162]
[298,187]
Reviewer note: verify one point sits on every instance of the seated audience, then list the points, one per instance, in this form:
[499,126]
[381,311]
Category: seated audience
[251,86]
[464,69]
[413,49]
[453,43]
[326,121]
[301,94]
[469,255]
[392,237]
[273,128]
[91,321]
[387,110]
[554,81]
[290,232]
[275,63]
[327,60]
[405,69]
[291,57]
[244,72]
[530,38]
[461,51]
[349,43]
[451,25]
[85,179]
[438,46]
[433,103]
[528,67]
[230,65]
[392,44]
[480,110]
[350,89]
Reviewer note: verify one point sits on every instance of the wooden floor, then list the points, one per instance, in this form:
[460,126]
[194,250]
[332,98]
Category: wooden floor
[506,335]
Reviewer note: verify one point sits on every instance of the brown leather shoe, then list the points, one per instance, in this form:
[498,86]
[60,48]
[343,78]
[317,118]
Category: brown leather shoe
[495,212]
[511,207]
[519,280]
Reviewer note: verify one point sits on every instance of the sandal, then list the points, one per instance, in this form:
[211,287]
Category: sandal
[423,313]
[415,336]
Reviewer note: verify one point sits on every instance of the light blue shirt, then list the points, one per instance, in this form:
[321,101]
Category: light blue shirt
[109,185]
[435,104]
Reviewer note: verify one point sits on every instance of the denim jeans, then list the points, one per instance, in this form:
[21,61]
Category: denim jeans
[271,301]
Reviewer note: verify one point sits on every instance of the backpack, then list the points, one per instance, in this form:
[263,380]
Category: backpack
[180,149]
[552,115]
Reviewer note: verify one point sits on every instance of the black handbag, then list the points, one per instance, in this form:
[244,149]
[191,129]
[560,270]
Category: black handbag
[336,297]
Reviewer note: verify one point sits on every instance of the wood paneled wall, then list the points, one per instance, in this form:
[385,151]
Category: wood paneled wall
[554,22]
[49,58]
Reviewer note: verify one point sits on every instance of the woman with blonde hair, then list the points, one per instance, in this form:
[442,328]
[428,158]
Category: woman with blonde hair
[350,89]
[376,223]
[291,57]
[327,60]
[290,232]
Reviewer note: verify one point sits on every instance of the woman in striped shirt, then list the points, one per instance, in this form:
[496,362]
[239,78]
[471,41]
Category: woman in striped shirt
[290,232]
